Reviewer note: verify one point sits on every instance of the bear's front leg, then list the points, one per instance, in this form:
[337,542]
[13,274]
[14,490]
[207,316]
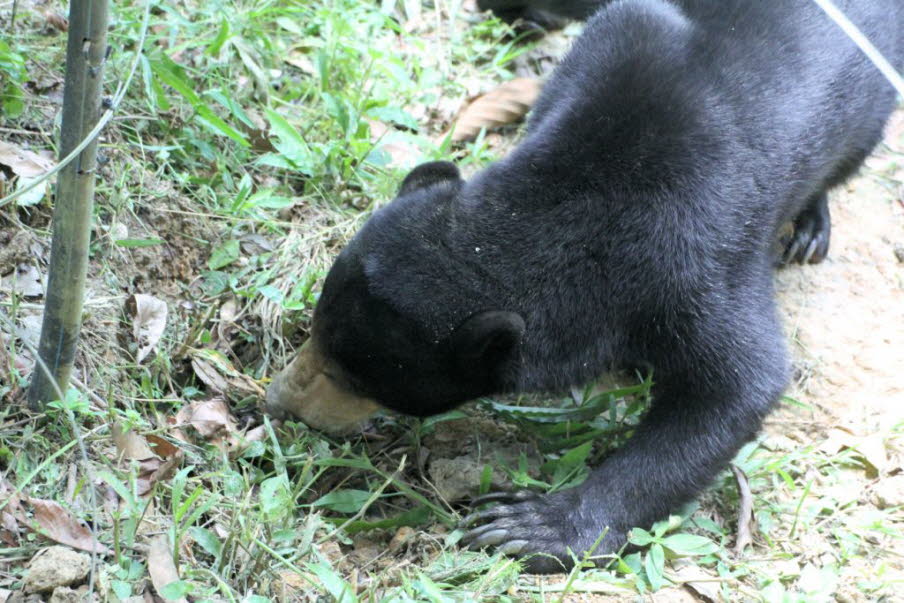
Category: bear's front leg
[706,406]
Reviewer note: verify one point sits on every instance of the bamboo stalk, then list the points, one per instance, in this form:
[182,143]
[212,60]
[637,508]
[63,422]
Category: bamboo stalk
[86,52]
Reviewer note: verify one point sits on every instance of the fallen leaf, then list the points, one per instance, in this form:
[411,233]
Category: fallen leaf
[506,104]
[869,448]
[703,585]
[212,417]
[218,373]
[209,375]
[258,434]
[60,526]
[10,514]
[28,166]
[162,447]
[226,325]
[157,472]
[255,244]
[57,21]
[25,164]
[161,566]
[26,280]
[148,321]
[298,59]
[130,444]
[746,519]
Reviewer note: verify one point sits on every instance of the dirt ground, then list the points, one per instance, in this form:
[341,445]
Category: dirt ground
[845,317]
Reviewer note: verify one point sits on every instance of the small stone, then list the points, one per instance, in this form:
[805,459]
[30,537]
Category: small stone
[54,567]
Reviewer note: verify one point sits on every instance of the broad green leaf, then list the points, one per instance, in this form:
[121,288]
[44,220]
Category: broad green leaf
[175,590]
[222,35]
[344,501]
[654,565]
[290,144]
[206,539]
[640,537]
[393,115]
[689,544]
[339,589]
[275,497]
[272,293]
[224,255]
[121,589]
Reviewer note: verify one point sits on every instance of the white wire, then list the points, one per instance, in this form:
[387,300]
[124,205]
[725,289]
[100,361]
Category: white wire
[872,53]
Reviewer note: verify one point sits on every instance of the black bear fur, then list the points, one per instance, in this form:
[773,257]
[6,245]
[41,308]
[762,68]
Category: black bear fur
[632,227]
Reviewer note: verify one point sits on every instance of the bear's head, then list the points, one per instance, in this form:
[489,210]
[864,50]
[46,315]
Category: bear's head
[401,322]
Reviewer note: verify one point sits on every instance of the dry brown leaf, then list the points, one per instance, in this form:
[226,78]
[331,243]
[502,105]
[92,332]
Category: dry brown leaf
[506,104]
[161,447]
[130,444]
[215,424]
[746,519]
[212,417]
[24,164]
[226,325]
[209,376]
[300,60]
[57,21]
[157,471]
[26,280]
[703,585]
[161,566]
[60,526]
[218,373]
[148,321]
[10,514]
[870,448]
[258,434]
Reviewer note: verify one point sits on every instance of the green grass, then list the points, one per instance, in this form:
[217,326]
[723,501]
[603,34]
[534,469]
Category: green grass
[245,153]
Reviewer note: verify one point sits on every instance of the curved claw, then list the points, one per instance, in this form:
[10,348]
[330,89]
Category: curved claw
[502,497]
[791,251]
[513,547]
[811,249]
[491,537]
[483,514]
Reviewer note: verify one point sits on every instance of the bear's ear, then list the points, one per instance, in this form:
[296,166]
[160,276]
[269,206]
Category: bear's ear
[486,338]
[428,174]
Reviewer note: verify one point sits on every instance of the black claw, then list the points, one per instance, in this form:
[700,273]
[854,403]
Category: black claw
[809,243]
[513,547]
[482,515]
[791,252]
[501,523]
[811,249]
[501,497]
[489,538]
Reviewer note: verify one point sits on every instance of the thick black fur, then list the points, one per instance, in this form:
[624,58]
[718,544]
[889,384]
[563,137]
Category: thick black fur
[631,227]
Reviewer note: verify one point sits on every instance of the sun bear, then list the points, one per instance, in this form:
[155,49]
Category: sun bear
[634,226]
